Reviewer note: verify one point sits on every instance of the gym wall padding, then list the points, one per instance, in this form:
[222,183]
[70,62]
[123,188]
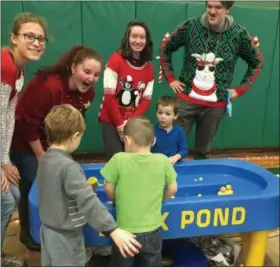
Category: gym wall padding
[270,135]
[8,11]
[101,25]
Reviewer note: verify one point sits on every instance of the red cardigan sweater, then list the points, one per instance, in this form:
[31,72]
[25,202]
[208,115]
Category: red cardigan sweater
[34,104]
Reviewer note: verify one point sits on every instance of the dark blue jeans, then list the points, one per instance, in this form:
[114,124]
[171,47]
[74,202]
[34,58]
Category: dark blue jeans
[27,166]
[149,255]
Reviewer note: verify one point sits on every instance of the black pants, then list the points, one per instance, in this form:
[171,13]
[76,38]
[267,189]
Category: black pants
[111,139]
[149,255]
[207,122]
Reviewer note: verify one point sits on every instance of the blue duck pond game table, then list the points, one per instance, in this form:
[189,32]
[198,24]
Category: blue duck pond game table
[197,209]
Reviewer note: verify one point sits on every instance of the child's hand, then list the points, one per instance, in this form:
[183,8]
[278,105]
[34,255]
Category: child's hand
[120,130]
[174,158]
[94,187]
[121,135]
[126,242]
[93,182]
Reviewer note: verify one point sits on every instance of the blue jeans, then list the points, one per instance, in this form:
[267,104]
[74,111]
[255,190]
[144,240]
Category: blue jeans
[9,202]
[149,255]
[27,166]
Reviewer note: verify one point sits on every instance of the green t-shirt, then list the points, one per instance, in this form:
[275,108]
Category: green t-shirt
[139,180]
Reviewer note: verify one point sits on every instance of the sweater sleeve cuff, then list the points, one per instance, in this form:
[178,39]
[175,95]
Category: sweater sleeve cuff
[183,154]
[5,160]
[239,91]
[107,233]
[121,124]
[171,79]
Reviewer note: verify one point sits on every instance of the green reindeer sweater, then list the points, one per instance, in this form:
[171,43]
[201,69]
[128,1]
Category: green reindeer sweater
[209,60]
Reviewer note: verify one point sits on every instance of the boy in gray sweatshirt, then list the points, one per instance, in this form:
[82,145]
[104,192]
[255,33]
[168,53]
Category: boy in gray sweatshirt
[66,201]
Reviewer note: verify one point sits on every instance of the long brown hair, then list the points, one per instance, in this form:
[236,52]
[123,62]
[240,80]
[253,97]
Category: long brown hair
[62,67]
[147,53]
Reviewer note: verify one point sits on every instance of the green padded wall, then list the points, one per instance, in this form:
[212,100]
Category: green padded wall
[8,11]
[101,25]
[271,122]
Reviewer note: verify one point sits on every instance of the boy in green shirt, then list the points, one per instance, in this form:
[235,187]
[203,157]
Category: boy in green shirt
[135,181]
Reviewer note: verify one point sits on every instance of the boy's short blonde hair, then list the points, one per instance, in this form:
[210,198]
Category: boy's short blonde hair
[169,101]
[141,130]
[62,122]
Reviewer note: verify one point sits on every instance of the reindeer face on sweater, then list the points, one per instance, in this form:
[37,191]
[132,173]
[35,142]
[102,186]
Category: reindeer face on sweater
[203,85]
[205,70]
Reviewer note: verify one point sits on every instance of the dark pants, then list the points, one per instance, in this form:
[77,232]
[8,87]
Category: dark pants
[207,122]
[27,165]
[111,139]
[149,255]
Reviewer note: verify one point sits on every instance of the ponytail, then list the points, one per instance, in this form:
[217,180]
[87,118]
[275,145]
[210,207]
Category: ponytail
[62,67]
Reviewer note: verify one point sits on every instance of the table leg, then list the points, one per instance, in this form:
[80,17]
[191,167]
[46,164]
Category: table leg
[255,247]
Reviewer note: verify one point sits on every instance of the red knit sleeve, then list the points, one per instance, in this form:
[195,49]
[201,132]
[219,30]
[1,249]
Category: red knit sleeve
[250,53]
[171,43]
[8,69]
[146,98]
[110,104]
[36,101]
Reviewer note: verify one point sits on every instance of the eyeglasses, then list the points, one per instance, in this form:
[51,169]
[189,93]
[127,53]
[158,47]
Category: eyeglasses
[30,38]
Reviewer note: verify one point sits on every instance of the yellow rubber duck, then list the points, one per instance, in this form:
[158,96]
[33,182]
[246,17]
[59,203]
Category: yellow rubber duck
[229,189]
[225,190]
[93,181]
